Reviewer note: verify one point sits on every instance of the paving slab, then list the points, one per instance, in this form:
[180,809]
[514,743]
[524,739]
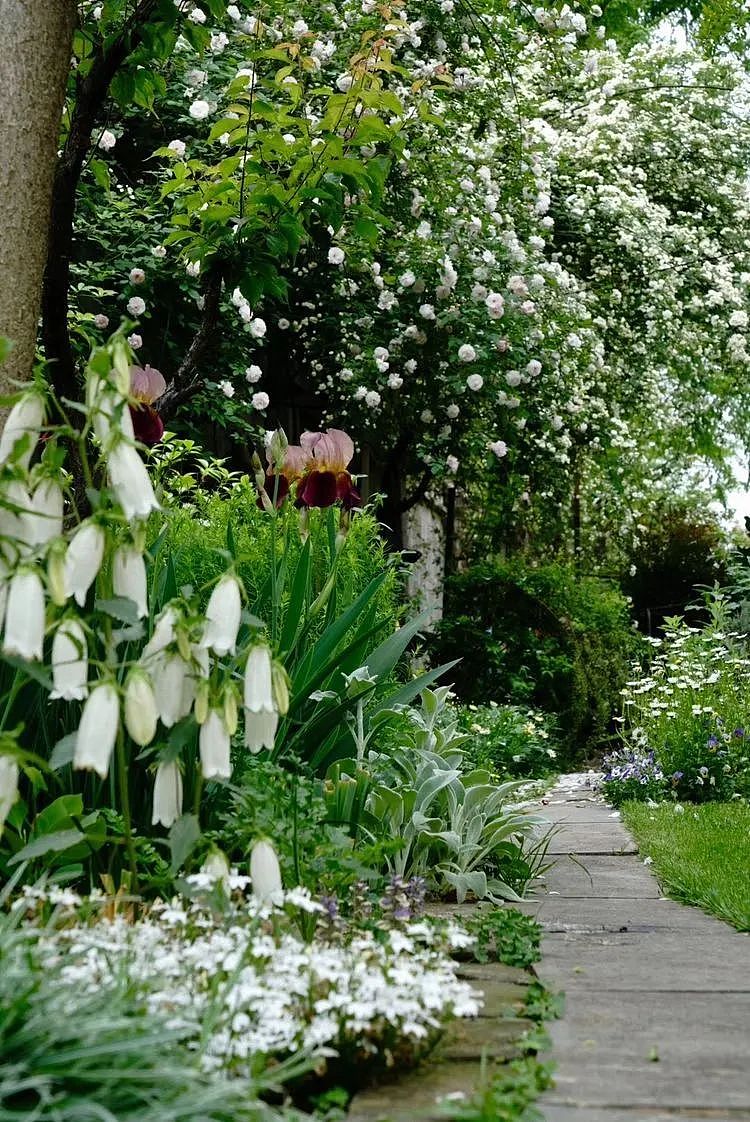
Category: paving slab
[591,837]
[607,877]
[561,913]
[554,1113]
[412,1098]
[651,962]
[657,996]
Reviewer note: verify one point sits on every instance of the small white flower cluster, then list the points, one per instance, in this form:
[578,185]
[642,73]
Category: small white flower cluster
[257,988]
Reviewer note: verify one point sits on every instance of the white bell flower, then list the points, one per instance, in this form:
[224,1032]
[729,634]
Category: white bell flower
[163,636]
[265,873]
[213,741]
[97,731]
[8,787]
[83,560]
[44,519]
[169,677]
[260,730]
[15,528]
[70,667]
[24,616]
[129,577]
[167,794]
[130,481]
[261,715]
[24,419]
[140,708]
[216,866]
[258,689]
[223,617]
[107,409]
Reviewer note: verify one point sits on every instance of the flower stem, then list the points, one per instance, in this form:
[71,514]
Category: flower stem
[122,775]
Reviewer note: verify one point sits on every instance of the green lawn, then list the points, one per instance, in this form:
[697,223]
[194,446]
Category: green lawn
[701,856]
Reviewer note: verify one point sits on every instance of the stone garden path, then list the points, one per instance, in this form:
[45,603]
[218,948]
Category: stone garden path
[657,995]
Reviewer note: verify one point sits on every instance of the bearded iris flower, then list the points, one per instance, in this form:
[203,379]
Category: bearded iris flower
[319,466]
[147,385]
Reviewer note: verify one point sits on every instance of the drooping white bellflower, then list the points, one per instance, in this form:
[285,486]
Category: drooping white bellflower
[130,481]
[24,421]
[265,873]
[167,794]
[261,716]
[70,667]
[24,616]
[129,577]
[83,560]
[8,786]
[97,731]
[223,617]
[213,741]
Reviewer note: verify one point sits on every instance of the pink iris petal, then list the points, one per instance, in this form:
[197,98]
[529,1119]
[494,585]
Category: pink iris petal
[296,462]
[146,383]
[333,451]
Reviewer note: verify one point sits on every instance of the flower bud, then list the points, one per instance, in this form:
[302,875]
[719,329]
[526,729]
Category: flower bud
[140,708]
[280,686]
[213,742]
[8,786]
[167,794]
[70,667]
[265,873]
[202,701]
[97,731]
[56,574]
[231,717]
[24,616]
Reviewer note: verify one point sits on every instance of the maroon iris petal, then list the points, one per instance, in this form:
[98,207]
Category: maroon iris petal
[347,492]
[276,487]
[319,488]
[147,424]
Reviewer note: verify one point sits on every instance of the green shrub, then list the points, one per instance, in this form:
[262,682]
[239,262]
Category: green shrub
[678,553]
[509,739]
[540,636]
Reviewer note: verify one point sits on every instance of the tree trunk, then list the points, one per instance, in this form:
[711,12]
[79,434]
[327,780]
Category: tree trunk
[34,66]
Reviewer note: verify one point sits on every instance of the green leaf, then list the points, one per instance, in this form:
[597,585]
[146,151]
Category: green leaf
[48,843]
[100,172]
[183,838]
[120,608]
[63,752]
[295,609]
